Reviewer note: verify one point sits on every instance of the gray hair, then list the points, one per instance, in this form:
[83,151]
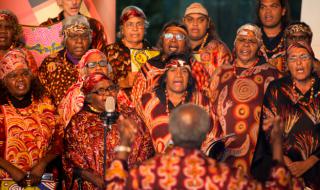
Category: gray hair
[189,125]
[73,21]
[253,28]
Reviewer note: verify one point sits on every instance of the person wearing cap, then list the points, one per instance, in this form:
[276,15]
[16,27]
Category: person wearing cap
[185,167]
[204,38]
[58,71]
[84,136]
[133,26]
[236,92]
[27,123]
[175,87]
[173,40]
[71,8]
[273,18]
[295,98]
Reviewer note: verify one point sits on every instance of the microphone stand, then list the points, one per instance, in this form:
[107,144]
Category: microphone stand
[108,119]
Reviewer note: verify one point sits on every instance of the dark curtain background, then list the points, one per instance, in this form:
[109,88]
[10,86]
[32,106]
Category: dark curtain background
[227,15]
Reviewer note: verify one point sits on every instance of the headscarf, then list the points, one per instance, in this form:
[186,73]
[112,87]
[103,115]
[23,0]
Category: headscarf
[131,11]
[178,61]
[250,27]
[12,60]
[298,27]
[303,45]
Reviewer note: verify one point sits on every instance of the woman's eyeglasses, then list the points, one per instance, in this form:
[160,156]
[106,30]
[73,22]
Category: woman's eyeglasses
[108,90]
[170,36]
[102,63]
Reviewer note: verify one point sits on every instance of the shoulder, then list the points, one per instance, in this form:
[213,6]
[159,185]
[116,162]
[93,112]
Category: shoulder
[147,97]
[217,44]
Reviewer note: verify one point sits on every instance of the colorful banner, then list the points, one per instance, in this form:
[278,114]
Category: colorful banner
[140,57]
[42,41]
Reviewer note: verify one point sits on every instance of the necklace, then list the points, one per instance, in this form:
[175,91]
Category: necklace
[235,69]
[27,112]
[94,109]
[276,49]
[294,87]
[204,41]
[183,99]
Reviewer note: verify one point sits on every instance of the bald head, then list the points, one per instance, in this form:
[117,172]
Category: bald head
[188,125]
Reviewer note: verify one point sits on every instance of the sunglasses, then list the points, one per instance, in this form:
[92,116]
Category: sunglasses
[170,36]
[102,63]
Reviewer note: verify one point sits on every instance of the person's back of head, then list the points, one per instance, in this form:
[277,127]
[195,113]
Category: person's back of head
[189,125]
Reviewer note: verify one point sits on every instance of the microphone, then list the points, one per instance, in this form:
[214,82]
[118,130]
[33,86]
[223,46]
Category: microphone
[109,116]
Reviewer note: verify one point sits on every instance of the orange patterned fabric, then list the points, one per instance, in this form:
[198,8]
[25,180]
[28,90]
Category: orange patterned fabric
[27,138]
[237,100]
[57,73]
[186,169]
[153,112]
[84,144]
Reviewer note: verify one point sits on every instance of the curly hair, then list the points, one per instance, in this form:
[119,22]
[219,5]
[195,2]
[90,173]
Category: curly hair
[17,29]
[36,89]
[285,19]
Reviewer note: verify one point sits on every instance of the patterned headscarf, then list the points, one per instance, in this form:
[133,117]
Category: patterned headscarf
[131,11]
[301,44]
[176,62]
[250,27]
[83,62]
[14,59]
[91,81]
[298,27]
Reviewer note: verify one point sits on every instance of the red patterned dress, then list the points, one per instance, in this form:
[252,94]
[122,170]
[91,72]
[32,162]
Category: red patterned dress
[301,133]
[84,144]
[26,135]
[153,111]
[186,169]
[237,95]
[99,39]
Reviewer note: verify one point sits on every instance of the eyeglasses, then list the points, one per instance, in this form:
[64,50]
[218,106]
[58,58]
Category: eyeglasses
[75,36]
[105,91]
[245,40]
[131,25]
[303,57]
[102,63]
[170,36]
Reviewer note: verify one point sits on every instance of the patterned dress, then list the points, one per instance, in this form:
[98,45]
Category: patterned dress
[84,146]
[186,169]
[153,111]
[301,126]
[237,100]
[57,73]
[26,136]
[99,39]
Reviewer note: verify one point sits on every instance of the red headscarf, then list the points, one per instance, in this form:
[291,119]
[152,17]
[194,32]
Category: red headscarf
[131,11]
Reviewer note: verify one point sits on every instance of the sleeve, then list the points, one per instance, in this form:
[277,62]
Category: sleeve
[262,158]
[224,55]
[2,135]
[43,75]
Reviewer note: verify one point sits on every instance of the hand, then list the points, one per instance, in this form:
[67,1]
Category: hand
[19,177]
[128,129]
[276,139]
[300,167]
[37,172]
[287,160]
[131,77]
